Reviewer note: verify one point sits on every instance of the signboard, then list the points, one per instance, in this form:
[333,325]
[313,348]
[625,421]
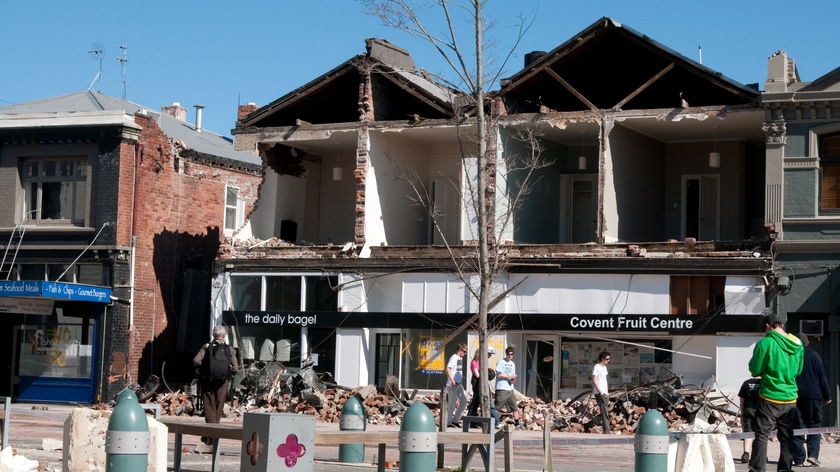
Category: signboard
[26,306]
[647,323]
[54,291]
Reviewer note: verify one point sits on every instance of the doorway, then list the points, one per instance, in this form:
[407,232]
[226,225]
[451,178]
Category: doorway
[577,224]
[539,367]
[700,207]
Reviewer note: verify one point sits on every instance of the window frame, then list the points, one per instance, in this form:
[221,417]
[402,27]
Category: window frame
[832,162]
[236,208]
[80,177]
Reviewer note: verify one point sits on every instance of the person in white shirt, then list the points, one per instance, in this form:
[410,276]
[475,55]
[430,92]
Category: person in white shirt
[601,390]
[455,386]
[505,377]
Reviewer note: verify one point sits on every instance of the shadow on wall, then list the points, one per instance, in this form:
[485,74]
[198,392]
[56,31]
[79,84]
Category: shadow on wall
[182,265]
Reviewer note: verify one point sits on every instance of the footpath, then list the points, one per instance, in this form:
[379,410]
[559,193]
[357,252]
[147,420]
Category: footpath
[36,431]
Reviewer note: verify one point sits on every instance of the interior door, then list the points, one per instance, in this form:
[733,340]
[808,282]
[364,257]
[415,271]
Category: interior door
[700,209]
[578,222]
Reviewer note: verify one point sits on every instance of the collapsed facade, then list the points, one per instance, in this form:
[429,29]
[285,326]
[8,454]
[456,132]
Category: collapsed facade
[639,227]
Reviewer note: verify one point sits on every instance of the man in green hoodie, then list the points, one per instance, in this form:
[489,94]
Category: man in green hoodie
[777,358]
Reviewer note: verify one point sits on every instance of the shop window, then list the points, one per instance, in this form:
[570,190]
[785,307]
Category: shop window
[245,292]
[637,362]
[829,149]
[56,190]
[423,366]
[697,294]
[282,293]
[62,351]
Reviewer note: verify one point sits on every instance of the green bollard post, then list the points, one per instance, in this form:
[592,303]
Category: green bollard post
[127,438]
[352,419]
[418,440]
[651,443]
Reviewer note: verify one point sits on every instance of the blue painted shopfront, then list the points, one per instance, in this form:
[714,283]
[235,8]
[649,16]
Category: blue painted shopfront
[57,339]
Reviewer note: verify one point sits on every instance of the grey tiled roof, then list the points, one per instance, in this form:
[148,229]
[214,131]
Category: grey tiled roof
[205,142]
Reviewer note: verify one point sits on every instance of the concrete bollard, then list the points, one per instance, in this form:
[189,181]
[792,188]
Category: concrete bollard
[418,440]
[651,443]
[352,419]
[127,438]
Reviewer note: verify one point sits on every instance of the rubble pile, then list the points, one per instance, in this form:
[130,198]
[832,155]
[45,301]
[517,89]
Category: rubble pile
[274,390]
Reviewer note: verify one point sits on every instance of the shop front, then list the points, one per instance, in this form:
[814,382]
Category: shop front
[54,339]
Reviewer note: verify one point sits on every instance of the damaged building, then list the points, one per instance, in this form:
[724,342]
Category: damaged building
[628,192]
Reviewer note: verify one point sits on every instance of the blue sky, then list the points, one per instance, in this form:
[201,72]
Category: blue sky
[223,53]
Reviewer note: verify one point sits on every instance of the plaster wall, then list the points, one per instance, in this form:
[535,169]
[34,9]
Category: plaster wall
[635,168]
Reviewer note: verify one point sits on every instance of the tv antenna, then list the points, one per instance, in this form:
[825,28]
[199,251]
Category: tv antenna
[123,60]
[98,52]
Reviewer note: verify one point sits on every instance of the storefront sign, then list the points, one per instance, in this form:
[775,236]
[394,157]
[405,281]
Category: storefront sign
[665,324]
[54,291]
[26,306]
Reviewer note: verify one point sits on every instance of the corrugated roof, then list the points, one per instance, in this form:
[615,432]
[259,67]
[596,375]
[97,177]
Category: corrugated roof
[205,142]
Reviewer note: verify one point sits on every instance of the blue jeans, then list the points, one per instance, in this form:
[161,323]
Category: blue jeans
[767,414]
[811,413]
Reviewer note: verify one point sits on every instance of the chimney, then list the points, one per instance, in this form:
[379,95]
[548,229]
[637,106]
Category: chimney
[781,72]
[245,110]
[175,111]
[533,57]
[198,116]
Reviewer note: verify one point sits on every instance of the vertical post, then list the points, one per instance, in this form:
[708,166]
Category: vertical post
[418,440]
[352,419]
[127,438]
[7,418]
[651,443]
[547,462]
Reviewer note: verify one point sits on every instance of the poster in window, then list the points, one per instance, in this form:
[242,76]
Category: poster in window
[431,360]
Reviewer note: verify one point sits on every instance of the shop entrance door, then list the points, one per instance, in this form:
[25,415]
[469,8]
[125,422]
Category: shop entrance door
[539,367]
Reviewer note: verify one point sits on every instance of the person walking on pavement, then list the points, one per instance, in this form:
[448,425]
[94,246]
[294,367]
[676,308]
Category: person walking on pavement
[505,378]
[216,362]
[475,382]
[455,386]
[777,359]
[814,392]
[601,390]
[749,400]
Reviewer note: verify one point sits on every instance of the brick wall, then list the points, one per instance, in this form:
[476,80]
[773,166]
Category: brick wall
[179,218]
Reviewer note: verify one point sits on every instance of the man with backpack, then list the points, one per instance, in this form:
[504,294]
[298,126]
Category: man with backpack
[216,362]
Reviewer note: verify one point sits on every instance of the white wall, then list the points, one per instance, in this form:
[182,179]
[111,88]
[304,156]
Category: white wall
[590,293]
[352,349]
[733,355]
[694,370]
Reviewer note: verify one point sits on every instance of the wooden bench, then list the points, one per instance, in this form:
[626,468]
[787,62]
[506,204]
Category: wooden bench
[484,443]
[180,427]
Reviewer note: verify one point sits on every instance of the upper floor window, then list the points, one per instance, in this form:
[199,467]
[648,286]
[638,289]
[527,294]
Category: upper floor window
[233,210]
[56,190]
[830,171]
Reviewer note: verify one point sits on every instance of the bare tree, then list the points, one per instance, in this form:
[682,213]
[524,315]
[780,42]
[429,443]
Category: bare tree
[467,63]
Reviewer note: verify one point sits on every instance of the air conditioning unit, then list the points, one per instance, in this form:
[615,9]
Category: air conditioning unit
[811,327]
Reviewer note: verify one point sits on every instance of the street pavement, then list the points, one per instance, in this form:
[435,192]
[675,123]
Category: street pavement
[31,424]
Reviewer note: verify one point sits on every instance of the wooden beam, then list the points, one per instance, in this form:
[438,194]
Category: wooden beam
[571,89]
[643,86]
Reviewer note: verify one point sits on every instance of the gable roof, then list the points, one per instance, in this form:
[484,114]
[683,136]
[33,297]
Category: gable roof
[610,66]
[83,108]
[826,83]
[333,97]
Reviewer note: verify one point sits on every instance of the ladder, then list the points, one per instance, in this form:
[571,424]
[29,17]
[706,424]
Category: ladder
[7,265]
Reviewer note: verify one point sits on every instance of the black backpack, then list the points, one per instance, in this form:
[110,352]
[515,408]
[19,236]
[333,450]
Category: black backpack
[216,364]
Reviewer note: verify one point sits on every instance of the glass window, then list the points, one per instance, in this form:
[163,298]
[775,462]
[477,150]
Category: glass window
[423,365]
[55,351]
[282,293]
[56,190]
[245,292]
[830,172]
[232,213]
